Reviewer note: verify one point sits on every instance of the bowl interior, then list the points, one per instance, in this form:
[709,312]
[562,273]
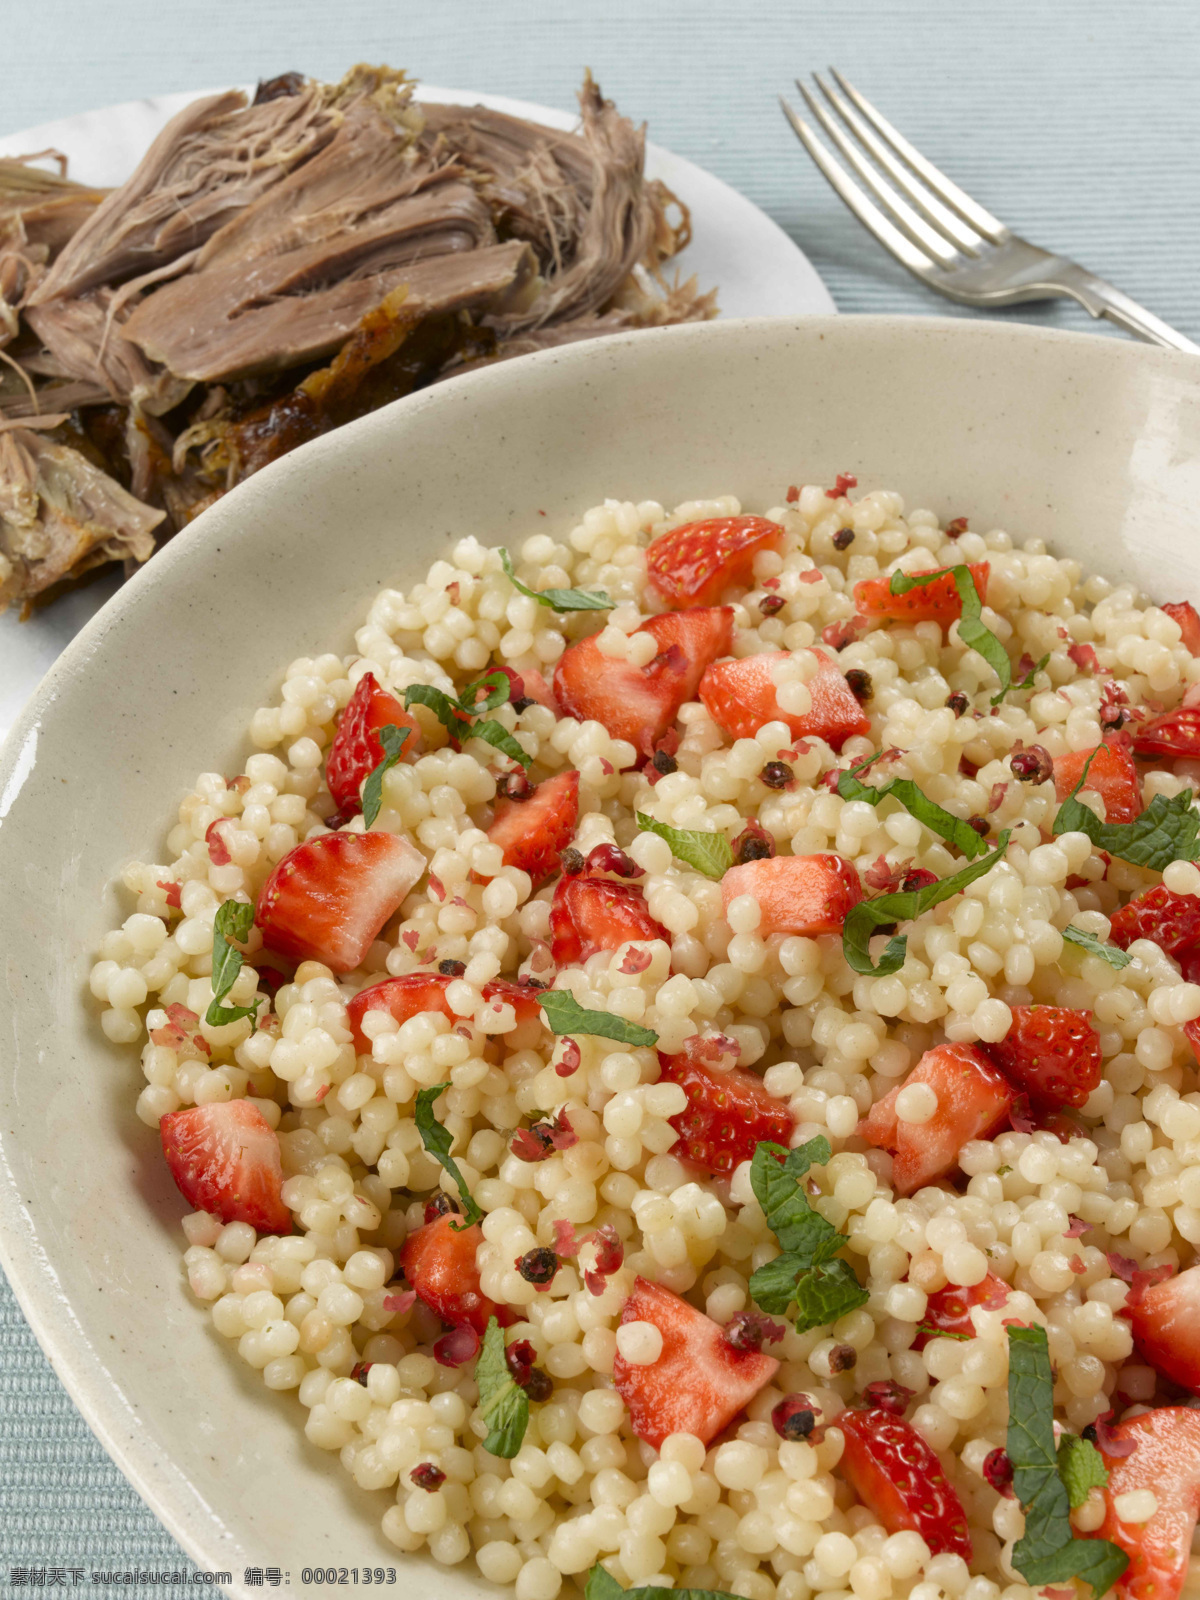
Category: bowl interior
[1088,444]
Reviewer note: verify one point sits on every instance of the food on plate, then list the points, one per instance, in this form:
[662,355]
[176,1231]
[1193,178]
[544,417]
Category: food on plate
[276,268]
[692,1079]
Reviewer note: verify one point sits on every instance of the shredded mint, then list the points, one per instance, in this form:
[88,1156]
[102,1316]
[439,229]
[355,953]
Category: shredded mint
[233,920]
[904,906]
[498,687]
[455,715]
[1166,831]
[1048,1552]
[444,706]
[392,739]
[503,1403]
[564,1014]
[557,599]
[1081,1467]
[971,629]
[1112,953]
[951,828]
[709,853]
[940,1333]
[435,1136]
[601,1585]
[804,1276]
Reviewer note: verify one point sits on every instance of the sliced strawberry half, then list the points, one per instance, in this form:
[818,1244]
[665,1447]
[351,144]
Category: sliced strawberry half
[700,1381]
[949,1309]
[741,699]
[727,1113]
[590,913]
[532,832]
[1164,1458]
[1171,921]
[640,703]
[1184,613]
[1165,1318]
[897,1476]
[1112,775]
[418,992]
[796,894]
[356,750]
[933,602]
[439,1262]
[693,565]
[1051,1053]
[329,897]
[974,1098]
[225,1159]
[1173,736]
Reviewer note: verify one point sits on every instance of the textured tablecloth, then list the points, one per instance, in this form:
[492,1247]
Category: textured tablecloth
[1077,122]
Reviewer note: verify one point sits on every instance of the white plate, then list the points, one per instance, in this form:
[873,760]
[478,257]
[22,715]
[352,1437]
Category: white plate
[756,267]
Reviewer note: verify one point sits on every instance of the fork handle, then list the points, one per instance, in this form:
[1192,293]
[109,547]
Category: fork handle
[1102,299]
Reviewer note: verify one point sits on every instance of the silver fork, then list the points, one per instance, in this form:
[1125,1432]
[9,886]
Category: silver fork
[940,234]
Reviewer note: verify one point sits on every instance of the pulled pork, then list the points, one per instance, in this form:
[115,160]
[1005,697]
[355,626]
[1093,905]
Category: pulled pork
[274,269]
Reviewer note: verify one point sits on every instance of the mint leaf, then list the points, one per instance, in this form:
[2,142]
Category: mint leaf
[804,1274]
[826,1293]
[601,1585]
[1027,681]
[444,707]
[455,715]
[392,739]
[564,1014]
[942,1333]
[773,1285]
[495,733]
[970,625]
[1166,831]
[951,828]
[1081,1467]
[775,1175]
[233,920]
[1113,954]
[709,853]
[904,906]
[435,1136]
[1048,1552]
[503,1403]
[499,691]
[557,599]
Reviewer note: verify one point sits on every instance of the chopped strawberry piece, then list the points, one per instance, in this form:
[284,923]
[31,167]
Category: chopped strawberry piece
[727,1113]
[741,699]
[536,688]
[950,1308]
[329,897]
[897,1476]
[1174,735]
[974,1098]
[639,704]
[1166,1324]
[590,913]
[1112,775]
[1172,921]
[796,894]
[356,750]
[439,1261]
[402,997]
[934,602]
[1165,1460]
[1052,1054]
[225,1159]
[522,997]
[1184,613]
[694,565]
[700,1381]
[531,832]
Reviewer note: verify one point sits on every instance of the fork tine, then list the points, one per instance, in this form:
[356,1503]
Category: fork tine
[867,212]
[945,188]
[925,236]
[946,221]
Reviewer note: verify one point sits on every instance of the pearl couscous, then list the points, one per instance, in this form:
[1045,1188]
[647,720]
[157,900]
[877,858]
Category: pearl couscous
[606,1189]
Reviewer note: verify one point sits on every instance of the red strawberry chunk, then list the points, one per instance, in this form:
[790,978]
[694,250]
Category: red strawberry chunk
[741,699]
[356,750]
[1112,775]
[1166,1324]
[694,565]
[974,1098]
[225,1159]
[897,1476]
[1174,735]
[727,1113]
[950,1308]
[418,992]
[1052,1054]
[934,602]
[439,1261]
[329,897]
[1166,1461]
[796,894]
[590,913]
[639,704]
[531,832]
[1184,613]
[700,1381]
[1172,921]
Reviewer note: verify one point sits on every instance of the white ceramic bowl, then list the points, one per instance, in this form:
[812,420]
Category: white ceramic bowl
[1090,444]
